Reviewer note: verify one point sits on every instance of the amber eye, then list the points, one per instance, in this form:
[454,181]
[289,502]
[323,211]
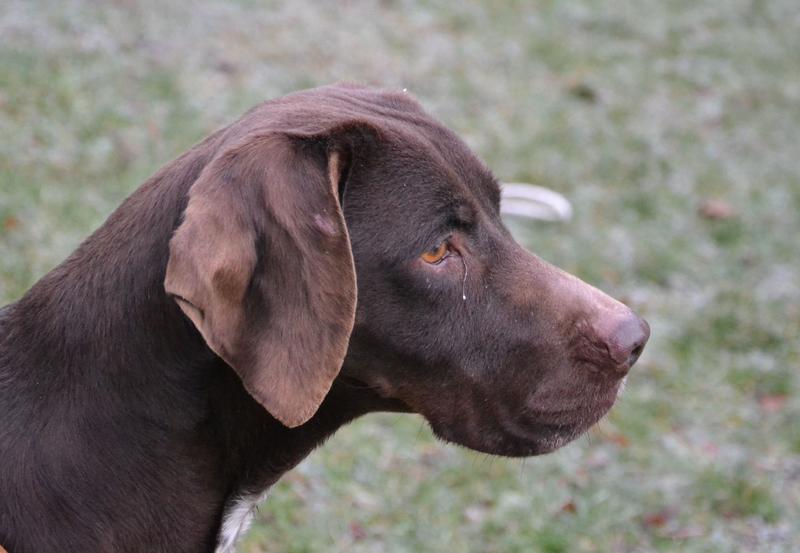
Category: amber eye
[436,254]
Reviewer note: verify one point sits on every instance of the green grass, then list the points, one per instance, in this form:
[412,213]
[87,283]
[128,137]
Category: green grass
[638,111]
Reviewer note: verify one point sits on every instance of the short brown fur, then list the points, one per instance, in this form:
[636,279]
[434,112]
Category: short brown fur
[261,291]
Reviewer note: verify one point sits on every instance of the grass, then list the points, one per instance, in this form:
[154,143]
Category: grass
[640,112]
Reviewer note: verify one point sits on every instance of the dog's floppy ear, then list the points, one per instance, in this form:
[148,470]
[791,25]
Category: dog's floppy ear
[262,266]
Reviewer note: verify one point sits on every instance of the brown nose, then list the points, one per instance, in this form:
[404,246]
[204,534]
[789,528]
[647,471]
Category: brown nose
[624,335]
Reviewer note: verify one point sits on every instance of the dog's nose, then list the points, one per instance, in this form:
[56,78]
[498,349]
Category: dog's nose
[624,335]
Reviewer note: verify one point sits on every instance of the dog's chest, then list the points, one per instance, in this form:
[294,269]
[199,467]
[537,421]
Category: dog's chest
[236,521]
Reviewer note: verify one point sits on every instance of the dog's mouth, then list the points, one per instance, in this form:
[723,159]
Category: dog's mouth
[499,423]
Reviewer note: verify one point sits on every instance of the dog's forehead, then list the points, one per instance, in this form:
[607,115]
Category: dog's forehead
[450,167]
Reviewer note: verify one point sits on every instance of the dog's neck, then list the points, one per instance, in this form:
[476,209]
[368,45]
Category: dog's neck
[106,301]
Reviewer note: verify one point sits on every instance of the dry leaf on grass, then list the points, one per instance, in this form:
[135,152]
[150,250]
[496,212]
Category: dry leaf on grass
[716,209]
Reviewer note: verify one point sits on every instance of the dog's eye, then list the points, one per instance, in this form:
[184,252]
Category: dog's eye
[438,253]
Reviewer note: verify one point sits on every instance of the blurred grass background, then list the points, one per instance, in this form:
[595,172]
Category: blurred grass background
[674,128]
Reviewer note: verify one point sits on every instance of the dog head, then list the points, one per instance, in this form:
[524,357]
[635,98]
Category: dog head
[344,232]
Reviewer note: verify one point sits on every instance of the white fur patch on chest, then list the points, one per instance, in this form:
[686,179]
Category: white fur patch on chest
[236,521]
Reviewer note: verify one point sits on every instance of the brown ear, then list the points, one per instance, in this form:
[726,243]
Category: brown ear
[262,266]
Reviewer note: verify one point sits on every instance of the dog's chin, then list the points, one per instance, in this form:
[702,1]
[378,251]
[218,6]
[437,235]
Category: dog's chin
[529,436]
[512,445]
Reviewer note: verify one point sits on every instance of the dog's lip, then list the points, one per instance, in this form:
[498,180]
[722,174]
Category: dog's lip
[537,432]
[551,429]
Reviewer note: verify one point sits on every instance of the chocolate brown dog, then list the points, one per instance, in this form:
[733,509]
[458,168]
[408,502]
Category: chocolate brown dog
[333,253]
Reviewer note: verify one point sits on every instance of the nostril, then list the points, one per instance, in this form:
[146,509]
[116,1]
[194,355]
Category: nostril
[635,333]
[637,351]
